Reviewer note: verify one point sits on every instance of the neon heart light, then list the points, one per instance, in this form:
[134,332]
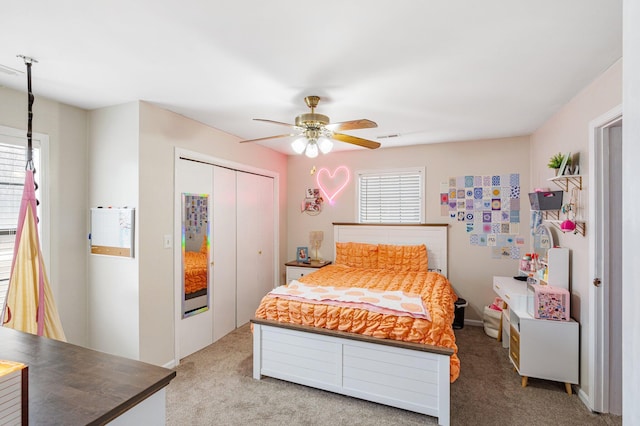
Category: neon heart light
[331,184]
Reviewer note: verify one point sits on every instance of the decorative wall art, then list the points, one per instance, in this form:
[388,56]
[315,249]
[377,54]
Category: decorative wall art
[332,183]
[489,208]
[312,203]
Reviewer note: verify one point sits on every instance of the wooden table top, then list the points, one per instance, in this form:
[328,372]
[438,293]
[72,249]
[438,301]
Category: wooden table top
[72,385]
[311,264]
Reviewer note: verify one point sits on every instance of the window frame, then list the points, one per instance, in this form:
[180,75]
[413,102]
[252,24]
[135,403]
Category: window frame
[421,170]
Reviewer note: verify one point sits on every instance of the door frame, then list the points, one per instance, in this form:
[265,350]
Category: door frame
[598,359]
[215,161]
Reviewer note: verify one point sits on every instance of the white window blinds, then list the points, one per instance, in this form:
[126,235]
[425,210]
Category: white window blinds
[391,196]
[12,167]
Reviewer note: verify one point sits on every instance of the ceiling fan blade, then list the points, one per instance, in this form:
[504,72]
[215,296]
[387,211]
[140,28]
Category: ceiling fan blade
[352,125]
[276,122]
[356,141]
[269,137]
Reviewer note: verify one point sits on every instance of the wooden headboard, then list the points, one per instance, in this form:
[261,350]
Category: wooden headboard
[434,236]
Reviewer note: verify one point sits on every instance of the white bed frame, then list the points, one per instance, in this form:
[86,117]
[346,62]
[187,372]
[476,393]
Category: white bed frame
[405,375]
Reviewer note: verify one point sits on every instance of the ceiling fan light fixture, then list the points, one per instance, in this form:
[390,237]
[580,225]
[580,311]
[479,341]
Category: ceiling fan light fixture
[299,145]
[325,144]
[317,132]
[312,149]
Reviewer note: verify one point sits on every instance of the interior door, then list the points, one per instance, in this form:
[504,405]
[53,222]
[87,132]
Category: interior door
[266,219]
[195,330]
[615,268]
[605,310]
[254,243]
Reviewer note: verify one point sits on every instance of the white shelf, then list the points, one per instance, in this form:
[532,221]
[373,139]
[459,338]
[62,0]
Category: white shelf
[553,217]
[580,226]
[566,182]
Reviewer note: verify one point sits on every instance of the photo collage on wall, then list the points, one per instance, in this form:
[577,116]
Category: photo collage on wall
[312,202]
[489,207]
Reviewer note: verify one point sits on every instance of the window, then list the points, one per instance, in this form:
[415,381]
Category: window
[391,196]
[13,148]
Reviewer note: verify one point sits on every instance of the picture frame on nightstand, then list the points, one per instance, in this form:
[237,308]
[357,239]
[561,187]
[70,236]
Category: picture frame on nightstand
[302,255]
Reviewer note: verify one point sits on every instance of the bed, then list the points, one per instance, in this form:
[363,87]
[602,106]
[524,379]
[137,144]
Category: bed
[387,357]
[195,274]
[196,278]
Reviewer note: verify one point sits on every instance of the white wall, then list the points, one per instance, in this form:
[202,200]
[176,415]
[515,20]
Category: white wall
[113,181]
[471,268]
[129,162]
[68,188]
[568,131]
[161,131]
[631,224]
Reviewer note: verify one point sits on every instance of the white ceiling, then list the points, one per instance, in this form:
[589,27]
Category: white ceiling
[427,70]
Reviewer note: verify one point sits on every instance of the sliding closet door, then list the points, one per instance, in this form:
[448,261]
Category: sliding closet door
[194,330]
[265,270]
[224,251]
[255,241]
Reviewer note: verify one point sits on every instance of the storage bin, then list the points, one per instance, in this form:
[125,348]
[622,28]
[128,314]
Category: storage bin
[491,321]
[458,320]
[548,302]
[545,200]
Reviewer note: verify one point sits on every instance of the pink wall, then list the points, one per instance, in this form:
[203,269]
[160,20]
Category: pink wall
[568,131]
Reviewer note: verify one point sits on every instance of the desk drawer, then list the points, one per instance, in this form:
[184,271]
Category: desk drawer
[514,347]
[512,291]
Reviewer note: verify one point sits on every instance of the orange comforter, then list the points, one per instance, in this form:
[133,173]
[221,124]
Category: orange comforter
[195,271]
[435,290]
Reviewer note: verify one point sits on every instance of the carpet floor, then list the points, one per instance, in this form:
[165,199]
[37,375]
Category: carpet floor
[215,386]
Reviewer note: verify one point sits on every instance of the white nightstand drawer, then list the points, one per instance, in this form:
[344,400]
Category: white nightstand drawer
[295,272]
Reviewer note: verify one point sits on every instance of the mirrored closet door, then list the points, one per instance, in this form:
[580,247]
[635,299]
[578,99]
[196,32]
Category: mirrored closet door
[238,241]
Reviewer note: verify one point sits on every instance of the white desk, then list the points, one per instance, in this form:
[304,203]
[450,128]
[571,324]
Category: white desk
[538,348]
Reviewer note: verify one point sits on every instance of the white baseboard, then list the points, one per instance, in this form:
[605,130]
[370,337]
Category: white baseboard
[170,364]
[584,398]
[474,323]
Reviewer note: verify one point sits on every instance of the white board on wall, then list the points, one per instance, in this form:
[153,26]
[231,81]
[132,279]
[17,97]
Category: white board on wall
[112,231]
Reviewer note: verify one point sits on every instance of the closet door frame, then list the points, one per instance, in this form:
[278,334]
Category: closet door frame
[215,161]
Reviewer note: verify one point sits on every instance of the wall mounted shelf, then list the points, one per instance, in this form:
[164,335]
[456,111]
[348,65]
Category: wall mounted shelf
[566,183]
[553,217]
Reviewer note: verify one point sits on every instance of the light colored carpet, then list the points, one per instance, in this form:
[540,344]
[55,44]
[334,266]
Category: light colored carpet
[215,387]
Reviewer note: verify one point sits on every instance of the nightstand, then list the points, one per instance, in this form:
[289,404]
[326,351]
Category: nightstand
[297,270]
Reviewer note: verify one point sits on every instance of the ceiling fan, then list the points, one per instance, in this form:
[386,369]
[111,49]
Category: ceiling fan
[316,131]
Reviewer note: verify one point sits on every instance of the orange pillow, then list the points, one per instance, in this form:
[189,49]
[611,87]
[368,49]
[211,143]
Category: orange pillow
[403,258]
[357,255]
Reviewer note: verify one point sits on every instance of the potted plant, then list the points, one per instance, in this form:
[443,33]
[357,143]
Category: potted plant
[558,161]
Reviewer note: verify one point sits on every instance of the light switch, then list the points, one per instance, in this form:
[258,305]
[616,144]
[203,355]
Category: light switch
[168,241]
